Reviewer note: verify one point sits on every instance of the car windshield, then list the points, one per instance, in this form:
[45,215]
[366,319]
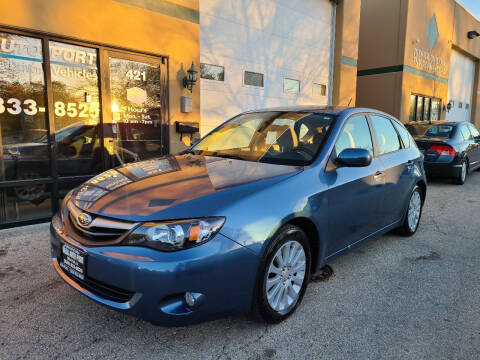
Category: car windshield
[287,138]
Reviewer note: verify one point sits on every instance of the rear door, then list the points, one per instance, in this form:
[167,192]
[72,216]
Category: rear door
[355,193]
[396,167]
[469,143]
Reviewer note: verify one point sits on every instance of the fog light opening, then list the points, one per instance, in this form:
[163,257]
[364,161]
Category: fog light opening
[189,299]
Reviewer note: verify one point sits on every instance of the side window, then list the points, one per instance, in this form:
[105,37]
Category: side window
[404,134]
[465,132]
[355,135]
[387,137]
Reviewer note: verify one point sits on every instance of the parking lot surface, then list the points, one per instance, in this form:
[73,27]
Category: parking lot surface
[391,298]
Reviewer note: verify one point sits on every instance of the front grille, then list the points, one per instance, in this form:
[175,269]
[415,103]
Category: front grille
[103,290]
[100,229]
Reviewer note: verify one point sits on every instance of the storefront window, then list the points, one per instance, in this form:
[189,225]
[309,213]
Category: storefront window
[419,108]
[24,145]
[424,108]
[436,109]
[47,147]
[413,102]
[74,75]
[134,132]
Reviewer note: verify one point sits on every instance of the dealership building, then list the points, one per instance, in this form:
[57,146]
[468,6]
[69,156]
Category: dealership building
[87,85]
[418,60]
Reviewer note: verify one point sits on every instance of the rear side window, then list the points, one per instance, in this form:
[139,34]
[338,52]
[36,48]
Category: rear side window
[387,137]
[404,134]
[465,132]
[355,135]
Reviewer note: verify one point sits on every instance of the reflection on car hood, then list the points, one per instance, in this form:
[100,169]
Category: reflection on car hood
[175,186]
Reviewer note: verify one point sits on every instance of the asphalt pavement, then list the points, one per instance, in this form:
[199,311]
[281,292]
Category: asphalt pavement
[392,298]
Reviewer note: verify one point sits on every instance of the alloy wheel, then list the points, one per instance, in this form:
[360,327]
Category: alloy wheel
[464,171]
[414,210]
[285,277]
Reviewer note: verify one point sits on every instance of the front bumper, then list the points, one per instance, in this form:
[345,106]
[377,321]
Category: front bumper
[151,284]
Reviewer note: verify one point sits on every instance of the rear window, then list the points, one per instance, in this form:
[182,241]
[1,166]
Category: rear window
[440,131]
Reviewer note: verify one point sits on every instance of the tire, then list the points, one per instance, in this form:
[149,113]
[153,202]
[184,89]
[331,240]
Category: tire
[412,220]
[462,176]
[276,288]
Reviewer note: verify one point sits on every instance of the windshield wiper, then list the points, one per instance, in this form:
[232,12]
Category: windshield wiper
[229,156]
[187,151]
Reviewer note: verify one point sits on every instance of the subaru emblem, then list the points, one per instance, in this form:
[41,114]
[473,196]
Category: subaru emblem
[84,219]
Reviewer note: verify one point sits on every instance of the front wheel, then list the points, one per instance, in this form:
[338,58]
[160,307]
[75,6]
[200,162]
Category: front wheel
[413,214]
[283,275]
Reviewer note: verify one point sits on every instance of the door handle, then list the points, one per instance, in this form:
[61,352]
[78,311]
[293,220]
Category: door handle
[379,177]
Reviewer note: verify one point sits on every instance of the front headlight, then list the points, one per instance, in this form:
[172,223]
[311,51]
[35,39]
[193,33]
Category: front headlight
[175,235]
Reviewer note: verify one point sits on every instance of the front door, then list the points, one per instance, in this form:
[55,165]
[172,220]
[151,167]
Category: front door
[135,123]
[355,194]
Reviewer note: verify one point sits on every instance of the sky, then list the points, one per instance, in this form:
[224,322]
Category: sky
[472,5]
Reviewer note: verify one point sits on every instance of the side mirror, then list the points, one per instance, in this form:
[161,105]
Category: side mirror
[354,158]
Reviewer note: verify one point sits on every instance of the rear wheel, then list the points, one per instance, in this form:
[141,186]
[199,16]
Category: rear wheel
[413,214]
[283,275]
[462,176]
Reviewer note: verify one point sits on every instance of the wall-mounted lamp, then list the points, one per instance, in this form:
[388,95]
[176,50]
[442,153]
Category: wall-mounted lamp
[472,34]
[190,79]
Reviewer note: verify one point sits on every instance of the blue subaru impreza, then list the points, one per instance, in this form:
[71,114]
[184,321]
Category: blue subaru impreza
[240,220]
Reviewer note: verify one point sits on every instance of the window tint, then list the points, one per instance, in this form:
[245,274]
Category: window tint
[355,135]
[465,132]
[404,134]
[386,135]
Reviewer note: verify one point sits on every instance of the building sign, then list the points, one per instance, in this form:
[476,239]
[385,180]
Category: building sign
[426,59]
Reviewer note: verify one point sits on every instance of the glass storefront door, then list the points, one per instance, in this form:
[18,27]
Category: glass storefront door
[134,129]
[69,111]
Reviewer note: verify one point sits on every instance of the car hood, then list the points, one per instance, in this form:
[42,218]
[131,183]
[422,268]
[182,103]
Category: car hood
[174,187]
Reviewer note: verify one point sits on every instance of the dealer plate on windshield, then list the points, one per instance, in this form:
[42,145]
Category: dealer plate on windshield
[73,261]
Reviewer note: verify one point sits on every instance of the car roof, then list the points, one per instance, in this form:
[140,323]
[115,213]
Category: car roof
[316,109]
